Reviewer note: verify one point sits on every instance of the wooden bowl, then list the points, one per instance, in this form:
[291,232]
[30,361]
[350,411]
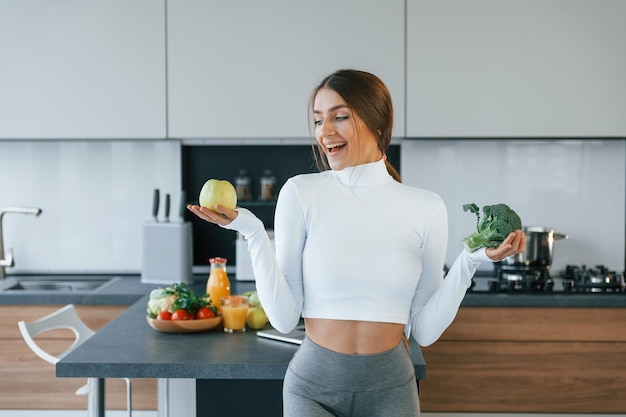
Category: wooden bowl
[184,326]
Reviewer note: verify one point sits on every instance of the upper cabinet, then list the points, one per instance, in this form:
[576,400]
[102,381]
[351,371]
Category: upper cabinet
[247,68]
[82,69]
[493,68]
[195,69]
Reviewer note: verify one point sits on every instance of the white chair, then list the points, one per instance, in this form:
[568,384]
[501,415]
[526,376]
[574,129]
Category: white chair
[66,318]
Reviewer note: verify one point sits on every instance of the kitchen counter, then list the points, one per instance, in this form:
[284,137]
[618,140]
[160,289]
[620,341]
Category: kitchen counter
[481,296]
[122,290]
[555,299]
[127,289]
[220,362]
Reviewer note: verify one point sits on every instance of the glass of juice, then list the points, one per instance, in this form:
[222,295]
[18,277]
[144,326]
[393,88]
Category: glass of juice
[234,310]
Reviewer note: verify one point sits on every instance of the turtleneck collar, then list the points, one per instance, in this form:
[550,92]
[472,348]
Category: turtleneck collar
[365,175]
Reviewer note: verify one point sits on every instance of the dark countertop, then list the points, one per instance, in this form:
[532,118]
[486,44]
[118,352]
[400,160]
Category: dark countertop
[129,347]
[480,296]
[556,299]
[121,290]
[126,289]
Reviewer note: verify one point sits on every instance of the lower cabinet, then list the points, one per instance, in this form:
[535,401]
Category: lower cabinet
[29,382]
[539,360]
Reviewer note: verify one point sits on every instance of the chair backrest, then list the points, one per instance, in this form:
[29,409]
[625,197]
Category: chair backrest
[64,318]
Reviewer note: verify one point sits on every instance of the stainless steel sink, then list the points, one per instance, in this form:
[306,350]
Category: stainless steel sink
[52,283]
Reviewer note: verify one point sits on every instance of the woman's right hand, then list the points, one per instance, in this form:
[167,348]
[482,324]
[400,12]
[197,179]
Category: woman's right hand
[224,217]
[514,243]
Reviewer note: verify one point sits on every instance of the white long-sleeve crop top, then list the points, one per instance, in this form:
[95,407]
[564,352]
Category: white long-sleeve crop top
[357,245]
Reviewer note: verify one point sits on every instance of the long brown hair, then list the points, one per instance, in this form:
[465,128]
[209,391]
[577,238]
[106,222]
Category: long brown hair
[369,98]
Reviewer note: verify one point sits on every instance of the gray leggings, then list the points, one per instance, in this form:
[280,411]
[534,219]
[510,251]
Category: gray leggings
[323,383]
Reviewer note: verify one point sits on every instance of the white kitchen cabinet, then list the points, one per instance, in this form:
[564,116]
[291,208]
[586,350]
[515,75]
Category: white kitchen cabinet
[76,69]
[493,68]
[247,68]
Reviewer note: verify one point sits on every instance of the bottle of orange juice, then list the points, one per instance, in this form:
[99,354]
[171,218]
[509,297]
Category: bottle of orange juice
[218,284]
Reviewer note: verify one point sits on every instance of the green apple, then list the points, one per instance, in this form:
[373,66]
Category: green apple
[256,318]
[253,299]
[216,192]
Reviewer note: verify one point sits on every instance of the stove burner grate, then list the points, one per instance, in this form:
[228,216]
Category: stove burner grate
[596,280]
[522,279]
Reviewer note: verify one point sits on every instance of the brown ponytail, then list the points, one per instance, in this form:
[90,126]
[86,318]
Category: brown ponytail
[392,171]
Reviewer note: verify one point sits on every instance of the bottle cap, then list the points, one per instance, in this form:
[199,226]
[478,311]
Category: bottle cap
[217,260]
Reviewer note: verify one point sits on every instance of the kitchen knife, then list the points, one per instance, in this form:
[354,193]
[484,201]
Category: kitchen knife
[155,205]
[167,208]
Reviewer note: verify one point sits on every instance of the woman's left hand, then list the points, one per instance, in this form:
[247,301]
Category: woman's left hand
[514,243]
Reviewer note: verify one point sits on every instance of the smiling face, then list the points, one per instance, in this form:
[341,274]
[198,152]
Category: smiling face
[340,133]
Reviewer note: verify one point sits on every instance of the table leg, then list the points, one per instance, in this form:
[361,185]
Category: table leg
[95,399]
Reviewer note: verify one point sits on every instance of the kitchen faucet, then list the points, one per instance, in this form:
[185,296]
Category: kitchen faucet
[9,261]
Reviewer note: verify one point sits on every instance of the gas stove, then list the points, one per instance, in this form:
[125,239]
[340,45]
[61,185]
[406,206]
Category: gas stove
[519,279]
[541,280]
[598,279]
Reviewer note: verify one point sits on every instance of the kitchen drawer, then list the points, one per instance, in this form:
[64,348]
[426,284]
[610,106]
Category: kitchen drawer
[531,360]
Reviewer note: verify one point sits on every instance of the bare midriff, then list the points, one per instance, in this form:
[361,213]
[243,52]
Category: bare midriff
[354,337]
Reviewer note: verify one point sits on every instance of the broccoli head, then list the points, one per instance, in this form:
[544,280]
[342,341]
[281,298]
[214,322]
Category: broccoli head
[493,227]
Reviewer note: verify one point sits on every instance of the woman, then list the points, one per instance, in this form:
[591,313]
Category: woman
[360,256]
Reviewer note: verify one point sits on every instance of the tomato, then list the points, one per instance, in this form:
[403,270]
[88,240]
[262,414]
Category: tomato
[205,313]
[164,315]
[181,315]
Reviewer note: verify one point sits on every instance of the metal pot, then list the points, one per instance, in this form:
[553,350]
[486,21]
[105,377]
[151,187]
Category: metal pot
[538,253]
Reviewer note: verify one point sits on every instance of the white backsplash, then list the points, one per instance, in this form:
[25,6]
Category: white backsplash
[576,187]
[94,196]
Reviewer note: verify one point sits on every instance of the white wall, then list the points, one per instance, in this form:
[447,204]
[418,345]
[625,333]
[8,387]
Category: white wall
[95,195]
[574,186]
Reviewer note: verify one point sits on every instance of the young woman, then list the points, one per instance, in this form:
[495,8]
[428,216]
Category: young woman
[360,256]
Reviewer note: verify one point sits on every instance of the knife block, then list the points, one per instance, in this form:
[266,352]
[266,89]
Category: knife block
[167,253]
